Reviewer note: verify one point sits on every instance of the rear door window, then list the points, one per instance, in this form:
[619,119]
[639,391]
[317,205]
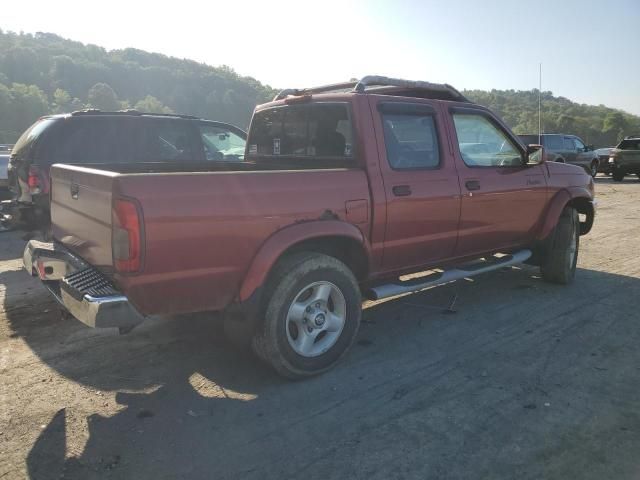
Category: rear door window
[410,137]
[553,142]
[569,144]
[313,130]
[163,140]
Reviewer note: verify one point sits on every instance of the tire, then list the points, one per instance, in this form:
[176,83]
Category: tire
[559,262]
[594,169]
[300,342]
[617,176]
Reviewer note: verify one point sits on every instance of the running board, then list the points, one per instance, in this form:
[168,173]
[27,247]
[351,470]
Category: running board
[438,278]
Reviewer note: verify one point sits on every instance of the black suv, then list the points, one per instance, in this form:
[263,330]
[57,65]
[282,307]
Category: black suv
[96,137]
[566,149]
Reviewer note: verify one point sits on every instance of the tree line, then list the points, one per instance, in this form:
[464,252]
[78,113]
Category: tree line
[43,73]
[596,125]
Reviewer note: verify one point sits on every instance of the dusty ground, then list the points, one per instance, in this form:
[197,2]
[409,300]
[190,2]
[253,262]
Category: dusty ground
[526,380]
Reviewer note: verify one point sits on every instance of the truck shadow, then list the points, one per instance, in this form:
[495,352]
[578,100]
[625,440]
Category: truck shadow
[187,405]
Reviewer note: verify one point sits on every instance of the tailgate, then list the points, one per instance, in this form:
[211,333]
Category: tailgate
[81,211]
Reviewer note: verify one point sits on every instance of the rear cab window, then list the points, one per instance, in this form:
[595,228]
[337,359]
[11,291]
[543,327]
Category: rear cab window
[320,132]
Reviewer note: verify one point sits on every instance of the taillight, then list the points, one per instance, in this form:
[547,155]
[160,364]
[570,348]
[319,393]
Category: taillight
[126,239]
[37,181]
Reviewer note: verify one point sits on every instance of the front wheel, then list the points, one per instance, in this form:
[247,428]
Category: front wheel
[312,315]
[617,176]
[594,169]
[561,256]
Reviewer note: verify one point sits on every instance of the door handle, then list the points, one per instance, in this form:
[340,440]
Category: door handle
[472,185]
[401,190]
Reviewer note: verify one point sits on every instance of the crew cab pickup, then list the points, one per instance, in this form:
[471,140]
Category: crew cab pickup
[344,190]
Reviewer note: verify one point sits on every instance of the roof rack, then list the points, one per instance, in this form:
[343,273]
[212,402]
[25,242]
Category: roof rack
[631,137]
[93,111]
[361,86]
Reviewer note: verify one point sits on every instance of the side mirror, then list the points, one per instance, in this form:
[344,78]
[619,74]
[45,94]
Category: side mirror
[589,148]
[535,154]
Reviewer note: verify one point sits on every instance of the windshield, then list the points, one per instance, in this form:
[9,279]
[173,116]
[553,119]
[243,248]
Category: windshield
[221,144]
[630,144]
[29,137]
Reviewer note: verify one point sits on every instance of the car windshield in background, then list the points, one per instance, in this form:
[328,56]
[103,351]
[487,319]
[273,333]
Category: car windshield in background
[317,130]
[220,144]
[630,144]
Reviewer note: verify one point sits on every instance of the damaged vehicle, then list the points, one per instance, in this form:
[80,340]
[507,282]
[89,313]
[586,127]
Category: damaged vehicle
[343,190]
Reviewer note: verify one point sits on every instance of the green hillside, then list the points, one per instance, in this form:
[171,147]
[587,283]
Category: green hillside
[44,73]
[597,125]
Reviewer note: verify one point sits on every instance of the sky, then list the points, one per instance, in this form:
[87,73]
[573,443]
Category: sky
[589,50]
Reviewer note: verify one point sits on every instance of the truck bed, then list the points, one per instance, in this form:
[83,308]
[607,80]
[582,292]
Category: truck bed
[202,227]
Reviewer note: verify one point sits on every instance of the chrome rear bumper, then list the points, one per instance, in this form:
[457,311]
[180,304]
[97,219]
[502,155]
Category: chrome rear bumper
[82,290]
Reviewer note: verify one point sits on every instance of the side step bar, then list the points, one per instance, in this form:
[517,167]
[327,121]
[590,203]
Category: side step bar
[438,278]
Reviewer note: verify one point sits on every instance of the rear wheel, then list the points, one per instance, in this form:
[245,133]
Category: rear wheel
[312,315]
[617,176]
[561,256]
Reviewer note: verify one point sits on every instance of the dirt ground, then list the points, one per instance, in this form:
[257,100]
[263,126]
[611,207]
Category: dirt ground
[526,380]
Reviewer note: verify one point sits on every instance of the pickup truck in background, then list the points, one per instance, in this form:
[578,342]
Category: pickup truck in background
[624,159]
[343,190]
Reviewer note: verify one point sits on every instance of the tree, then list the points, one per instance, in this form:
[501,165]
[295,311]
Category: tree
[614,126]
[61,101]
[27,105]
[566,124]
[151,104]
[103,97]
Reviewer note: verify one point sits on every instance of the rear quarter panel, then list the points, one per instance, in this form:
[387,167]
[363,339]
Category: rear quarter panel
[203,230]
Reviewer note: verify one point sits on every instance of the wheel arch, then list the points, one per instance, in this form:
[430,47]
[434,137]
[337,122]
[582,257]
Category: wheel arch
[335,238]
[578,198]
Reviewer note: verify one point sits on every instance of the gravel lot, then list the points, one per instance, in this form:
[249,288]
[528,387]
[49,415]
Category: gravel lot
[525,380]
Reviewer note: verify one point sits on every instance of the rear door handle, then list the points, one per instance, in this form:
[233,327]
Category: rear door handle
[472,185]
[401,190]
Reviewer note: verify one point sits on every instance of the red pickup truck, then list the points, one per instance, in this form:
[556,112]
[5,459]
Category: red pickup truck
[344,189]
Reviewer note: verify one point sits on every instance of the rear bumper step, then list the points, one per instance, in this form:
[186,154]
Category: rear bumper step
[438,278]
[82,290]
